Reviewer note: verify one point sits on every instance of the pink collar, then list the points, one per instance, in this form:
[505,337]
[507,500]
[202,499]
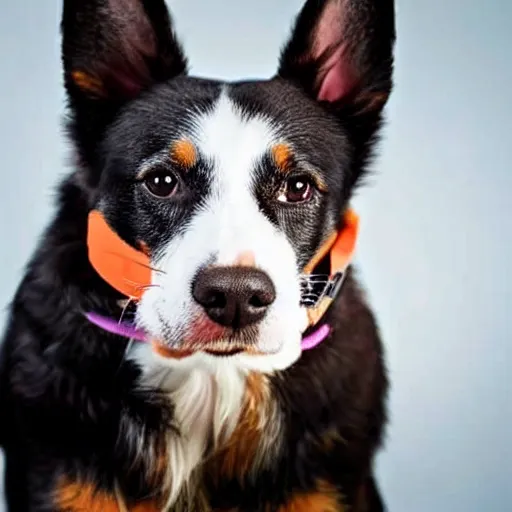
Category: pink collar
[130,331]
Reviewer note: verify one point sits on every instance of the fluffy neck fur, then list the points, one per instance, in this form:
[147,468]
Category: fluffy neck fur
[219,410]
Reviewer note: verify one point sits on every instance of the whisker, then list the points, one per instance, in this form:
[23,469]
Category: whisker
[132,283]
[147,286]
[128,302]
[154,269]
[140,286]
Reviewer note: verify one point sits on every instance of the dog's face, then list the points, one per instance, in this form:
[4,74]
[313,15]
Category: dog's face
[232,195]
[231,188]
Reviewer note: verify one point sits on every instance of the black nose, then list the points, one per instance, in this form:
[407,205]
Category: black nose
[234,296]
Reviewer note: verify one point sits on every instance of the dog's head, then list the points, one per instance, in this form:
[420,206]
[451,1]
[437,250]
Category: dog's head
[230,188]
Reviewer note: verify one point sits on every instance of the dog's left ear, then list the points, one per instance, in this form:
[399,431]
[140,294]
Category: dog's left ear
[341,54]
[113,50]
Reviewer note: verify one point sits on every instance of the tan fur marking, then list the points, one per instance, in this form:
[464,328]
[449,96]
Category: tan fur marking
[74,496]
[320,254]
[183,152]
[149,506]
[283,156]
[235,459]
[88,83]
[169,352]
[325,499]
[246,259]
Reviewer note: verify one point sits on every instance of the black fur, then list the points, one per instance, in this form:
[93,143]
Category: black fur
[70,403]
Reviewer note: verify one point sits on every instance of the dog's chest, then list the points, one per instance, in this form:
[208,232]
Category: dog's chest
[226,428]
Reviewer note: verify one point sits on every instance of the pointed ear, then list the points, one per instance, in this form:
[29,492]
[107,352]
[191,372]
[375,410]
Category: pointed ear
[112,50]
[341,52]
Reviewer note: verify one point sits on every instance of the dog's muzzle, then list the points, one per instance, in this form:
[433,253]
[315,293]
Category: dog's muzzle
[128,270]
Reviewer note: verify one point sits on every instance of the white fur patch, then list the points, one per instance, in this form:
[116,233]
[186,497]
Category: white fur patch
[207,393]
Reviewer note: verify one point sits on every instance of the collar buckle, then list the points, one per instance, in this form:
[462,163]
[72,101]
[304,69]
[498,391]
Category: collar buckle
[322,287]
[334,285]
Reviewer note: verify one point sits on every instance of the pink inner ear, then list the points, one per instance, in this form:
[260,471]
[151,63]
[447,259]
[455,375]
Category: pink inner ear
[339,80]
[337,76]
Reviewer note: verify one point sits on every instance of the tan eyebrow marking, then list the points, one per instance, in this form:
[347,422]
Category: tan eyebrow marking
[183,152]
[283,156]
[284,159]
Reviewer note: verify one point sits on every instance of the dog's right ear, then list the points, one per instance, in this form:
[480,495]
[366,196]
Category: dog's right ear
[112,50]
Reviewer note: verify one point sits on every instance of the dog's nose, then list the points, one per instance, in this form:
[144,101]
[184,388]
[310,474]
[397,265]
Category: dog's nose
[234,296]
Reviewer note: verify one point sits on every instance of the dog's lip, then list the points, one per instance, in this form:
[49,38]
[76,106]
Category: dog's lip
[232,352]
[168,352]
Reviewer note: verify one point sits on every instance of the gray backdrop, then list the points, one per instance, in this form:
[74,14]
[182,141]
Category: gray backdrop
[436,238]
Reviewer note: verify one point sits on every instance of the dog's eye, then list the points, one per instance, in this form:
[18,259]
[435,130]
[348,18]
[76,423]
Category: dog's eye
[297,189]
[161,182]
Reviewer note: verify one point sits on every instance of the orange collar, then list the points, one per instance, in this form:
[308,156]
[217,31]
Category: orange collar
[123,267]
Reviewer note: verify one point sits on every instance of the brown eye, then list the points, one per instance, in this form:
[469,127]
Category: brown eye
[161,183]
[297,189]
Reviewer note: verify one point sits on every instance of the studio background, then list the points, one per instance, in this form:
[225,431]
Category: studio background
[436,216]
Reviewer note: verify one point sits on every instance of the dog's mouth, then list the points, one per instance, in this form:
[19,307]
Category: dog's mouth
[204,336]
[224,348]
[230,344]
[173,353]
[231,352]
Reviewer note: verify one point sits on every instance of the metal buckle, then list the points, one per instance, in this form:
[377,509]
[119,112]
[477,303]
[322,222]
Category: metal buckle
[334,285]
[319,286]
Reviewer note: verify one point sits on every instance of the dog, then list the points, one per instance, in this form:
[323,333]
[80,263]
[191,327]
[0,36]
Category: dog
[211,221]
